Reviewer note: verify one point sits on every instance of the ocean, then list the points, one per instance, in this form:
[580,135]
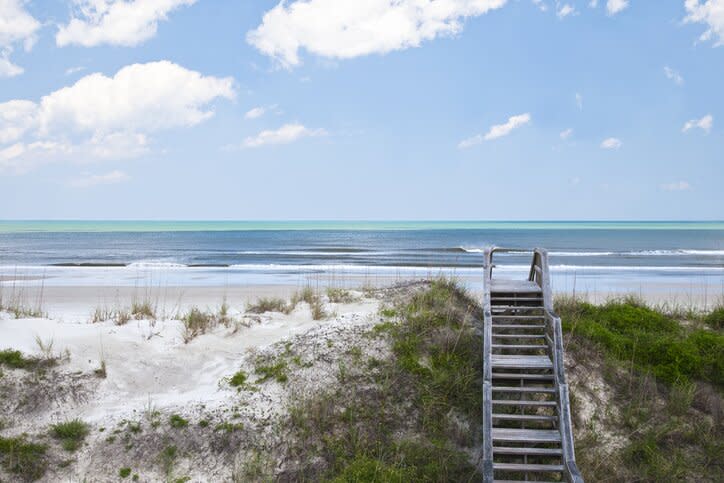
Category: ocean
[587,256]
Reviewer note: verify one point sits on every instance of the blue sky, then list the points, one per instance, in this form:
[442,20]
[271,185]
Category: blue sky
[332,109]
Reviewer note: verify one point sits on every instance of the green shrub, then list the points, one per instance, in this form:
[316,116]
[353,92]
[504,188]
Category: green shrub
[634,333]
[177,421]
[124,472]
[26,460]
[238,379]
[15,359]
[264,305]
[70,433]
[715,318]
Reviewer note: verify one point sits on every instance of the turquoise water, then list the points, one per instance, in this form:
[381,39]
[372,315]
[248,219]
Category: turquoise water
[110,226]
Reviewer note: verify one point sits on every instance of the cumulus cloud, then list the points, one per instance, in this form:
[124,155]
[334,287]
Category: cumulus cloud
[673,75]
[17,26]
[566,133]
[541,5]
[705,124]
[115,22]
[88,180]
[615,6]
[496,131]
[500,130]
[611,143]
[343,29]
[565,10]
[102,117]
[676,186]
[286,134]
[259,111]
[710,13]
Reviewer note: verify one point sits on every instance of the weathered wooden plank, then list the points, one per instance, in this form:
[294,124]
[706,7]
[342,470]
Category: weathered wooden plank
[528,467]
[520,347]
[520,362]
[526,451]
[528,389]
[524,417]
[517,402]
[526,435]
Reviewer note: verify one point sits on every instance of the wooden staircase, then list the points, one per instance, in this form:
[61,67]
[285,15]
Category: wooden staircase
[527,433]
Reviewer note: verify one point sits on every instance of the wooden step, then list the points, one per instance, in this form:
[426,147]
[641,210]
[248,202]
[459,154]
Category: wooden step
[504,286]
[518,317]
[527,377]
[527,451]
[523,481]
[496,298]
[516,307]
[526,435]
[520,347]
[527,467]
[518,402]
[546,390]
[520,362]
[517,326]
[525,417]
[519,336]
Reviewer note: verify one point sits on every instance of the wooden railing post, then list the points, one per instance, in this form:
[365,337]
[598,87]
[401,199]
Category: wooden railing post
[487,460]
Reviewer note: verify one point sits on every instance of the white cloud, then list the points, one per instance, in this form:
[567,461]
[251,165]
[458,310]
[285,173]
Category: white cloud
[541,5]
[259,111]
[102,117]
[566,134]
[286,134]
[709,12]
[565,10]
[676,186]
[16,26]
[496,131]
[88,180]
[470,142]
[615,6]
[115,22]
[593,3]
[73,70]
[705,124]
[343,29]
[673,75]
[579,101]
[500,130]
[611,143]
[255,112]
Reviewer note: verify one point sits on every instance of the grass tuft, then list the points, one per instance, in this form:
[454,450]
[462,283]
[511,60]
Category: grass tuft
[70,433]
[24,459]
[264,305]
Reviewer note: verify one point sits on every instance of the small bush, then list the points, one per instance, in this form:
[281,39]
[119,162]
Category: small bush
[177,421]
[143,310]
[26,460]
[715,318]
[340,296]
[124,472]
[196,323]
[70,433]
[238,379]
[264,305]
[15,360]
[276,371]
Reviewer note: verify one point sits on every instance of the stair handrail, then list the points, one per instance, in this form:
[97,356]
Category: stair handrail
[540,273]
[487,459]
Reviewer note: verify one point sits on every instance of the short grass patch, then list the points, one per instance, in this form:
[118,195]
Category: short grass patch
[70,433]
[24,459]
[177,422]
[271,304]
